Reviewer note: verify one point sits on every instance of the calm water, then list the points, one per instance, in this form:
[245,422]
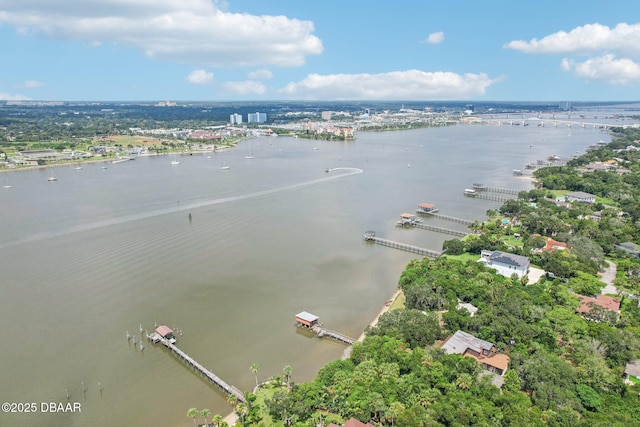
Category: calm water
[101,251]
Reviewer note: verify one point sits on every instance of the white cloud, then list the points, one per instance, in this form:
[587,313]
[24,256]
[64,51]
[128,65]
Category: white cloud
[396,85]
[32,84]
[590,38]
[261,74]
[435,38]
[16,97]
[247,87]
[200,77]
[607,68]
[189,31]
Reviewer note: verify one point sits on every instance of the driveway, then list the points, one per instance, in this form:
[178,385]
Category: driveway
[608,276]
[534,275]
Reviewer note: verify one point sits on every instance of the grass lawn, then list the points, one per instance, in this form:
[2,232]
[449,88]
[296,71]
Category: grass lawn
[464,257]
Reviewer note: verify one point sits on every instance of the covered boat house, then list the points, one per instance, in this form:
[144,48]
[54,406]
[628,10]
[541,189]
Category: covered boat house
[307,320]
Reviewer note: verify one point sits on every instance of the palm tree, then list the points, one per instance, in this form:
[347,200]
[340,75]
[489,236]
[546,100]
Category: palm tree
[255,368]
[216,420]
[233,401]
[287,373]
[193,413]
[205,414]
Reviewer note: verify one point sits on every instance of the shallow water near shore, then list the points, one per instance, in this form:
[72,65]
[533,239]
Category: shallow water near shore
[101,252]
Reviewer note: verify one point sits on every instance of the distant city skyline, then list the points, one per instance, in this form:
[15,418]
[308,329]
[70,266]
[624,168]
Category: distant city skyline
[249,50]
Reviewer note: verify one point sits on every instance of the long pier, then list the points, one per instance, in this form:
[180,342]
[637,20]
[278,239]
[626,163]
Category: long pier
[482,187]
[189,361]
[436,229]
[371,237]
[321,333]
[491,197]
[448,218]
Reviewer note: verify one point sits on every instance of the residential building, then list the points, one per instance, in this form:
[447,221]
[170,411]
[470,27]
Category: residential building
[580,197]
[235,119]
[257,117]
[505,263]
[352,422]
[630,248]
[597,308]
[483,351]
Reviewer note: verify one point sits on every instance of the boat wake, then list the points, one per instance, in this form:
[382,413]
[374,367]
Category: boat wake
[180,208]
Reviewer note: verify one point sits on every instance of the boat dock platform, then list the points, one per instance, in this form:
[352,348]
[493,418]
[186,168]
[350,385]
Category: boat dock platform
[312,322]
[439,229]
[370,236]
[189,361]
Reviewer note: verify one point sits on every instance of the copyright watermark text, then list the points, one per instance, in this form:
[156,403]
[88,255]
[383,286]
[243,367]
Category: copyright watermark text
[41,407]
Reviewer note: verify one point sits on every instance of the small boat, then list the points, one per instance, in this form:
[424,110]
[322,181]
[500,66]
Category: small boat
[103,167]
[175,161]
[224,168]
[469,192]
[79,168]
[52,178]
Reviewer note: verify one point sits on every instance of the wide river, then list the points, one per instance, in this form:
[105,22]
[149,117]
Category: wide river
[102,251]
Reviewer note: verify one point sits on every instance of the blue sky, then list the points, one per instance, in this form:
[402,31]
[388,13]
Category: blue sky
[145,50]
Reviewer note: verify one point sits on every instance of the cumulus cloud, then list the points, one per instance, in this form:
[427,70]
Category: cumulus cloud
[247,87]
[32,84]
[200,77]
[189,31]
[435,38]
[262,74]
[619,71]
[396,85]
[590,38]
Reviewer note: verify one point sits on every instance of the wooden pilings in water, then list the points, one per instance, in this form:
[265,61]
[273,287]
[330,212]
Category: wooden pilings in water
[370,236]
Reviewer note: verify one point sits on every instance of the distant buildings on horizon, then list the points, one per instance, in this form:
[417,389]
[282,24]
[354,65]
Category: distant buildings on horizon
[236,119]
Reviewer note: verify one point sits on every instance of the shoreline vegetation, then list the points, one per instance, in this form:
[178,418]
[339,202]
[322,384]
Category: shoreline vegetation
[552,374]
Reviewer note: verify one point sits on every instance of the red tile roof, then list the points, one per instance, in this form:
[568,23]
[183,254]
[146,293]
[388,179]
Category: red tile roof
[602,300]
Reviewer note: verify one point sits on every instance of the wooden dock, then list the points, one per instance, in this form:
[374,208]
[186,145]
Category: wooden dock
[189,361]
[448,218]
[432,228]
[482,187]
[321,333]
[489,196]
[371,237]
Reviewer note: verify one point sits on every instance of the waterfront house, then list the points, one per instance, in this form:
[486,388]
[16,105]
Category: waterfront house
[505,263]
[580,197]
[483,351]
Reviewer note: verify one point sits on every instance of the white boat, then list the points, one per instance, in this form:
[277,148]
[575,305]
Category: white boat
[79,168]
[469,192]
[224,168]
[175,161]
[52,178]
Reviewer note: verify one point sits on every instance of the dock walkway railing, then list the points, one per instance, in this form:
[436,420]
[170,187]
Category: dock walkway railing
[371,237]
[192,363]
